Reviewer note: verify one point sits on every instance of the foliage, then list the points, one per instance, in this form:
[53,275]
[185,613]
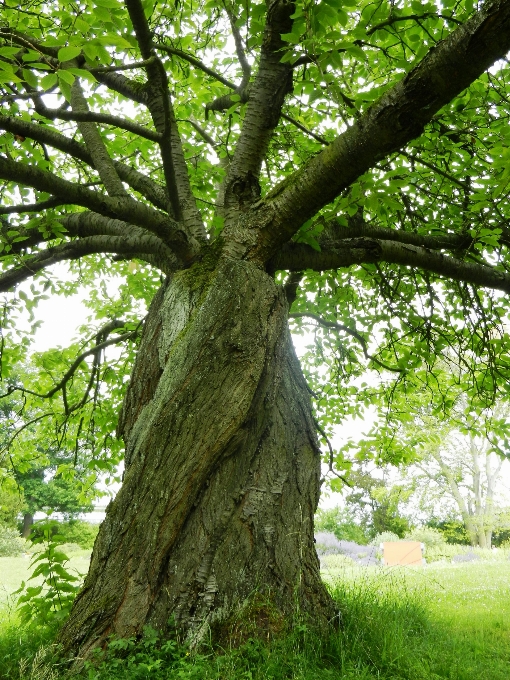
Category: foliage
[401,181]
[342,523]
[11,502]
[50,602]
[74,531]
[377,503]
[11,543]
[453,530]
[385,537]
[345,56]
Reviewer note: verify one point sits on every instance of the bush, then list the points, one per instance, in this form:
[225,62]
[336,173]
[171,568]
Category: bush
[432,538]
[74,531]
[11,543]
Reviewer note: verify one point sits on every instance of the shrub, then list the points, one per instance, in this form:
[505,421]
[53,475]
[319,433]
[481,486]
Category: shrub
[453,530]
[11,543]
[431,537]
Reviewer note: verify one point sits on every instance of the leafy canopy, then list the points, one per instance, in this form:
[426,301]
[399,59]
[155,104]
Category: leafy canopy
[129,144]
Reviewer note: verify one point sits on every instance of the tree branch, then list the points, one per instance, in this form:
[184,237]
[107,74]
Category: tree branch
[272,83]
[45,135]
[95,145]
[410,17]
[126,208]
[399,116]
[31,207]
[127,244]
[196,63]
[241,54]
[305,129]
[161,110]
[344,253]
[87,116]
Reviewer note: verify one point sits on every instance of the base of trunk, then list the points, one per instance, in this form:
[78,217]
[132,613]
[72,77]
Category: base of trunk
[223,477]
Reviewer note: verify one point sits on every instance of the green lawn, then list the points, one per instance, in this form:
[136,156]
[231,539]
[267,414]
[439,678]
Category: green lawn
[14,570]
[438,622]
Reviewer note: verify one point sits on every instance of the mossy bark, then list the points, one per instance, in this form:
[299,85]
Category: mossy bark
[222,470]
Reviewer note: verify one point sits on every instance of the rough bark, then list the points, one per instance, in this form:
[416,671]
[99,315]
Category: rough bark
[222,469]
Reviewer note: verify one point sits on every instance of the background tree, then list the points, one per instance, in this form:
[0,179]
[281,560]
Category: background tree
[44,490]
[464,468]
[351,165]
[455,456]
[378,503]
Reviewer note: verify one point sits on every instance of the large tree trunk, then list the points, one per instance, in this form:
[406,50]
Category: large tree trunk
[222,469]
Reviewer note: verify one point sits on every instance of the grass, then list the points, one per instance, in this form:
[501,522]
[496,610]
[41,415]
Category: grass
[441,622]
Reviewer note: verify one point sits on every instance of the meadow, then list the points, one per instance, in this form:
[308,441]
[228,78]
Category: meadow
[442,621]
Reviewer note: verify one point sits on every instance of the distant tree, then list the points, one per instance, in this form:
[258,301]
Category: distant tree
[377,503]
[455,456]
[467,470]
[45,490]
[37,477]
[341,522]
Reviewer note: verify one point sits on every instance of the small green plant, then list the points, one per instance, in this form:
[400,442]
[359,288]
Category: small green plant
[51,601]
[11,543]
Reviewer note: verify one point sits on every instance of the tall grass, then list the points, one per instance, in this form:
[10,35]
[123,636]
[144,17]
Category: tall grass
[395,625]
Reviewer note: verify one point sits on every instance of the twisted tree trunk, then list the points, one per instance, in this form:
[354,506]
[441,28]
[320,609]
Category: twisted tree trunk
[222,469]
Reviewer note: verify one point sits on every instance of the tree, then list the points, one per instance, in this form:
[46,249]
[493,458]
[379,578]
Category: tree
[43,490]
[43,478]
[351,165]
[378,504]
[465,469]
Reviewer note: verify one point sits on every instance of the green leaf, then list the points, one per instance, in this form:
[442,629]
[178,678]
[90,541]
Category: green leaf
[68,53]
[49,81]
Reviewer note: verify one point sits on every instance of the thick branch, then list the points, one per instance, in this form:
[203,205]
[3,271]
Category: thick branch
[358,227]
[398,117]
[95,145]
[45,135]
[160,107]
[75,249]
[272,83]
[126,208]
[335,255]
